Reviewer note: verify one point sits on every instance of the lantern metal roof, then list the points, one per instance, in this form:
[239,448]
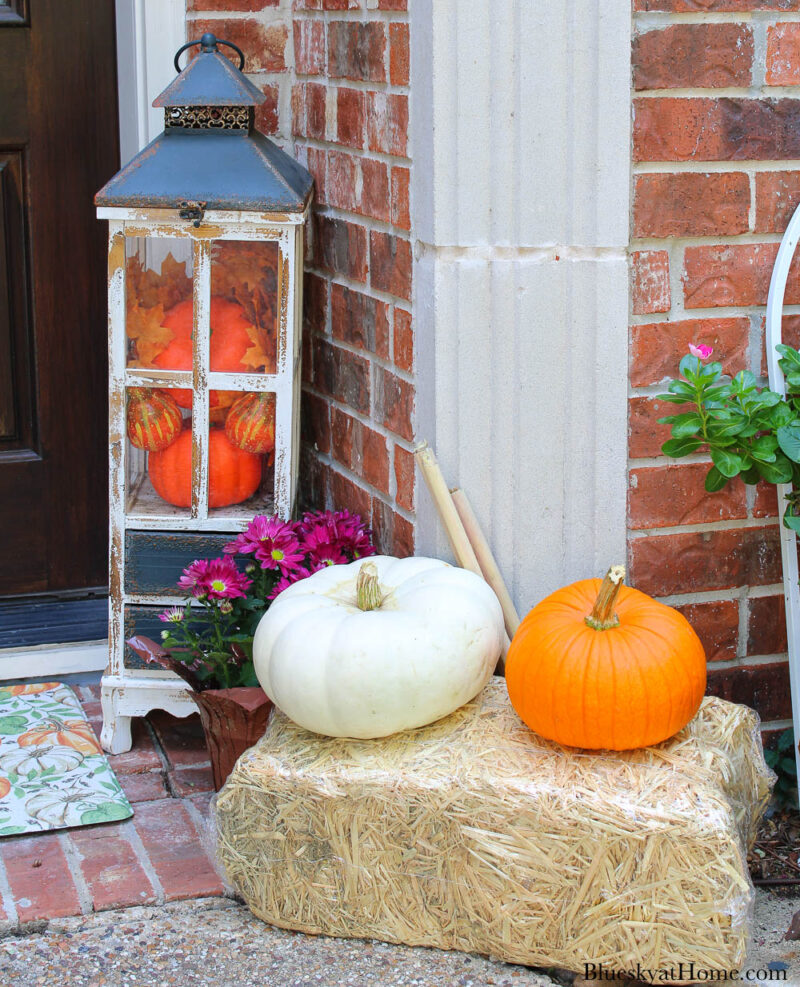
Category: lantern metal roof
[210,152]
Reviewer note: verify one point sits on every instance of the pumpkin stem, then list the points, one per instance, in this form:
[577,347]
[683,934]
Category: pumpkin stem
[602,616]
[369,594]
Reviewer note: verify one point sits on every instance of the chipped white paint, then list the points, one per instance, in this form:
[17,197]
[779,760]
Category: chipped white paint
[128,692]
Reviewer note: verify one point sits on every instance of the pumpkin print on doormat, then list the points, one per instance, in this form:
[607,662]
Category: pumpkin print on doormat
[53,772]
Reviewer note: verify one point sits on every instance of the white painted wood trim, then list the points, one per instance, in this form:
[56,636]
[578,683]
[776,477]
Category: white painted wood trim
[520,211]
[791,585]
[149,32]
[211,216]
[53,660]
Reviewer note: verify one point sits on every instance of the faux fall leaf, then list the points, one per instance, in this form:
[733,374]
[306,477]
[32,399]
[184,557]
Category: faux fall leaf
[247,273]
[174,284]
[144,327]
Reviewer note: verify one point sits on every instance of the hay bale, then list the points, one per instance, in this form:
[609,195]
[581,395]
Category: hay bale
[475,834]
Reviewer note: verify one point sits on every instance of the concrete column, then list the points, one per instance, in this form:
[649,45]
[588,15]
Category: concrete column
[520,204]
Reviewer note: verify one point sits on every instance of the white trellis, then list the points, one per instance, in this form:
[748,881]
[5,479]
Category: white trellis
[791,577]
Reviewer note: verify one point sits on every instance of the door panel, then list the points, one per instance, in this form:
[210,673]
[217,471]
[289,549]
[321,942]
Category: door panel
[58,145]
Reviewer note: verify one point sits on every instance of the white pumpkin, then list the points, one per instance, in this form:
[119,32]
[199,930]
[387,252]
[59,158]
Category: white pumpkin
[379,645]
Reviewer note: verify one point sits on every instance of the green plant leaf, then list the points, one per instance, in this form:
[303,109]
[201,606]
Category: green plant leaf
[715,480]
[676,448]
[684,425]
[789,440]
[778,472]
[690,366]
[791,521]
[785,740]
[728,463]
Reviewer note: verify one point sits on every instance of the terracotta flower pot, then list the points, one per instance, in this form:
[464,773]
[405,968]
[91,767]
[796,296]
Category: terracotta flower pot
[233,720]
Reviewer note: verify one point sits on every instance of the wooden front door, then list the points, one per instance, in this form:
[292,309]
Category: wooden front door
[58,144]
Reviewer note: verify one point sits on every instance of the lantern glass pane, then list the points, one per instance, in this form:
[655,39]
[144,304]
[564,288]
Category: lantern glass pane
[158,303]
[244,306]
[159,452]
[241,473]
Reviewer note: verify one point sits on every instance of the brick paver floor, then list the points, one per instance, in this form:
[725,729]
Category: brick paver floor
[157,856]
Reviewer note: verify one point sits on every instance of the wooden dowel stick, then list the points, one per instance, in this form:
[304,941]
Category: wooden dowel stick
[486,560]
[460,543]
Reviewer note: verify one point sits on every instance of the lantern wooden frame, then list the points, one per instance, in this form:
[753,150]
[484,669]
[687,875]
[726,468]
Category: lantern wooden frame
[126,691]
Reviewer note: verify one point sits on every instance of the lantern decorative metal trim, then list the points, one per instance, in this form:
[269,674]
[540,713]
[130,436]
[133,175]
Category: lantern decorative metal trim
[187,339]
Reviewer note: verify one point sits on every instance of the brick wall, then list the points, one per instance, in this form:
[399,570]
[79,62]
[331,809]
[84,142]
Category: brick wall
[336,77]
[716,135]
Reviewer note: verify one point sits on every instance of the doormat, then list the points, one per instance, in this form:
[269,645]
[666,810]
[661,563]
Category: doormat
[53,772]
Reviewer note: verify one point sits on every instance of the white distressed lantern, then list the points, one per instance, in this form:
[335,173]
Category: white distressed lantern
[205,275]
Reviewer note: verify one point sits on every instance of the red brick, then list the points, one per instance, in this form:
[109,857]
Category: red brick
[393,534]
[658,347]
[710,560]
[790,334]
[664,496]
[315,302]
[387,122]
[341,4]
[399,55]
[266,115]
[356,50]
[401,213]
[190,781]
[645,435]
[346,495]
[394,403]
[403,341]
[359,320]
[175,851]
[392,4]
[703,129]
[390,264]
[704,56]
[404,477]
[306,4]
[47,888]
[350,117]
[110,867]
[766,626]
[783,55]
[298,107]
[362,450]
[341,247]
[144,787]
[309,47]
[313,487]
[733,274]
[766,502]
[343,180]
[141,757]
[650,281]
[375,199]
[182,739]
[714,6]
[777,197]
[765,688]
[315,422]
[717,625]
[264,46]
[315,103]
[220,5]
[691,205]
[317,164]
[342,375]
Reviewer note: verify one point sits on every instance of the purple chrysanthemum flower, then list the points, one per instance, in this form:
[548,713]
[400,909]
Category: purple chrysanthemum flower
[193,576]
[272,541]
[223,581]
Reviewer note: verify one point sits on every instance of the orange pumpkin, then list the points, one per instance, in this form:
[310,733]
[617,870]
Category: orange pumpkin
[76,734]
[601,665]
[250,424]
[154,419]
[233,475]
[230,340]
[5,787]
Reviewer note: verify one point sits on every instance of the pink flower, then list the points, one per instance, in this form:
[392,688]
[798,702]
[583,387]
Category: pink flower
[701,350]
[284,583]
[172,616]
[193,576]
[323,545]
[272,541]
[346,535]
[223,581]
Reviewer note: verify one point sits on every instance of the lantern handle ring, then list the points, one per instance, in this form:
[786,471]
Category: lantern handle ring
[208,42]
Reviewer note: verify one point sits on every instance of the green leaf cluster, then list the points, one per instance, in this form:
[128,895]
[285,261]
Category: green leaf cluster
[781,759]
[747,430]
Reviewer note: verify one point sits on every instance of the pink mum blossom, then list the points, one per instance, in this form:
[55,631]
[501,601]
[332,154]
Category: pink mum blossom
[193,576]
[223,581]
[272,541]
[172,616]
[701,350]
